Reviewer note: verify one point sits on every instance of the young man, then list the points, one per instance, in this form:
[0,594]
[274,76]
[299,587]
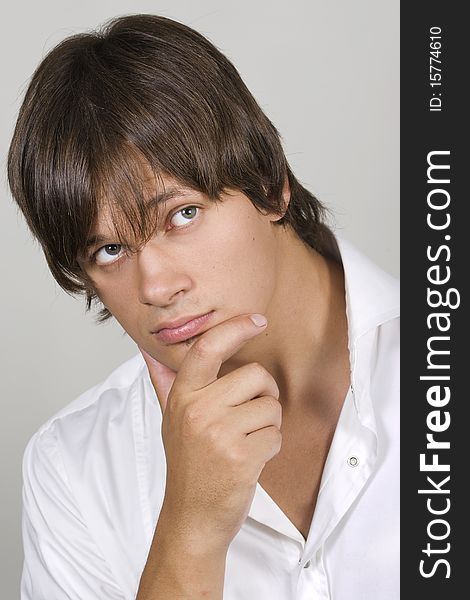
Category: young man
[250,450]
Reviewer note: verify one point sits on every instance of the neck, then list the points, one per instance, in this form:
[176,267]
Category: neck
[305,347]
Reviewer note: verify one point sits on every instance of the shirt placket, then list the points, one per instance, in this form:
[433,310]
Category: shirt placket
[312,581]
[349,465]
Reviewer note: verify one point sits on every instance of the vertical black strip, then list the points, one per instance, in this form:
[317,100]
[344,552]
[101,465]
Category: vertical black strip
[435,323]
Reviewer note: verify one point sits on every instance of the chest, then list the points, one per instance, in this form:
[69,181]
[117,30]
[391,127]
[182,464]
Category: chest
[292,478]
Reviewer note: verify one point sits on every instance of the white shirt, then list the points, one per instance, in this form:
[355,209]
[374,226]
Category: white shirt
[94,481]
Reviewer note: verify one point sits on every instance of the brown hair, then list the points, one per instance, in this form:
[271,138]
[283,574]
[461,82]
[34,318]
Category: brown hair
[143,89]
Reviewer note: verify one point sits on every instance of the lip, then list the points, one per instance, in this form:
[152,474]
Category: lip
[182,329]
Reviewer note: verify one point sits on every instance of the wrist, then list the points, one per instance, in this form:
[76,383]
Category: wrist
[182,565]
[185,535]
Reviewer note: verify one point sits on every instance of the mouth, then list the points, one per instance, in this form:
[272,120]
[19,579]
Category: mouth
[183,331]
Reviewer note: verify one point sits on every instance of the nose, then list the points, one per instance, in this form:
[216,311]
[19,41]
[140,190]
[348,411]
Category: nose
[161,279]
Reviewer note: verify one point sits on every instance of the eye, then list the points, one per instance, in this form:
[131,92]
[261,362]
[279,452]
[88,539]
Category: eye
[108,254]
[181,217]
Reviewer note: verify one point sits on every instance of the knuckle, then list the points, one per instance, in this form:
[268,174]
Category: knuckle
[216,436]
[274,404]
[264,377]
[235,456]
[276,440]
[202,348]
[272,385]
[275,389]
[273,407]
[278,413]
[229,453]
[192,416]
[257,370]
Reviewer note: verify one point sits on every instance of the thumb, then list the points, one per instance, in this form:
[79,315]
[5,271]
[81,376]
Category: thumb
[161,376]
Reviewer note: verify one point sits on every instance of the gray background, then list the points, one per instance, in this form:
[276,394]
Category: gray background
[325,72]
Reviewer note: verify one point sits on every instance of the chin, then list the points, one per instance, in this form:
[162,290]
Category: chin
[176,353]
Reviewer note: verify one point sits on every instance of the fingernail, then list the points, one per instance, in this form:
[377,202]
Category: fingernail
[259,320]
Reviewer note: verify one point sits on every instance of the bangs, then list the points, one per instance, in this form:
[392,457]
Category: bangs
[132,194]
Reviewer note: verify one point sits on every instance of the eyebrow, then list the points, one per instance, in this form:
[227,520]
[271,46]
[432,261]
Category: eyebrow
[158,198]
[169,194]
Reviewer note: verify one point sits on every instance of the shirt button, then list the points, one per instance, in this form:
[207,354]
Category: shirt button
[353,461]
[307,564]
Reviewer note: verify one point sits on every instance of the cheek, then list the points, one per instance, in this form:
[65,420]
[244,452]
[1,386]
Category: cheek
[116,296]
[244,262]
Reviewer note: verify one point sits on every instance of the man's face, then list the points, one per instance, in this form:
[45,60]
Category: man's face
[206,259]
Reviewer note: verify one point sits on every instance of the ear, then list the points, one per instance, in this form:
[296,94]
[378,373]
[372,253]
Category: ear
[285,200]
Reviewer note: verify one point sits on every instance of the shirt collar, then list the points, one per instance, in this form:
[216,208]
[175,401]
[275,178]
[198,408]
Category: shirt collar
[372,298]
[372,295]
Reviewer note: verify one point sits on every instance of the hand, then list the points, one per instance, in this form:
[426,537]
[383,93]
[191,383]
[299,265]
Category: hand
[218,433]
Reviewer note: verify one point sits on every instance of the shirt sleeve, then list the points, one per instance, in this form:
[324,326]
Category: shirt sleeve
[61,559]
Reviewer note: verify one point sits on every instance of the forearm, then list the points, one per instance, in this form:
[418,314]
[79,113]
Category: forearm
[182,567]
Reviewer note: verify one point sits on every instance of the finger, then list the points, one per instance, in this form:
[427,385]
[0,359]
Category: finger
[256,414]
[264,443]
[161,376]
[204,359]
[244,384]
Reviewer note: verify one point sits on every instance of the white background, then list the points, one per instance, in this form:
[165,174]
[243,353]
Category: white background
[326,72]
